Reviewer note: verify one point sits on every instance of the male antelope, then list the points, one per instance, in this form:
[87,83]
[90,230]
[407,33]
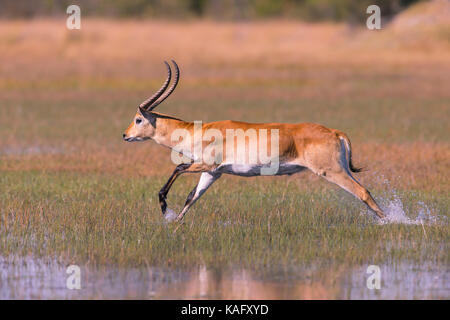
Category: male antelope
[326,152]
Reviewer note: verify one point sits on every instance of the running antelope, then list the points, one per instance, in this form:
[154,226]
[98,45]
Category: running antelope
[326,152]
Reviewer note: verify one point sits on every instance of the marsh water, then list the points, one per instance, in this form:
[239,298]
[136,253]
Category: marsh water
[47,278]
[28,278]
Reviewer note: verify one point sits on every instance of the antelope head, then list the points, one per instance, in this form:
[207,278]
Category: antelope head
[143,126]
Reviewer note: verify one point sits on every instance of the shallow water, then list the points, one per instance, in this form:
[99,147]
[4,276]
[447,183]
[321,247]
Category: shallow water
[402,281]
[395,213]
[27,278]
[393,206]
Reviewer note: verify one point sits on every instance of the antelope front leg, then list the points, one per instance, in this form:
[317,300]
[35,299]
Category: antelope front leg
[206,180]
[165,189]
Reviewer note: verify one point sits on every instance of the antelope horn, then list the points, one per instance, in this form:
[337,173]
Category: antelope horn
[144,105]
[168,92]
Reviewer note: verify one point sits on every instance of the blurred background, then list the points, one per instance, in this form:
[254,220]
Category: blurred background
[351,11]
[71,188]
[266,60]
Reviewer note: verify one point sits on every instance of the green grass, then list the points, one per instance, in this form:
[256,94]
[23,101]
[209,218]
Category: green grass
[264,224]
[112,217]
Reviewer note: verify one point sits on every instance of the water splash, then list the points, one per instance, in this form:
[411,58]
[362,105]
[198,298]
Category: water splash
[395,213]
[170,215]
[393,206]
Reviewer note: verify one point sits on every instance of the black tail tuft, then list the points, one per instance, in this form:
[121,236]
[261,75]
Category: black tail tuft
[353,168]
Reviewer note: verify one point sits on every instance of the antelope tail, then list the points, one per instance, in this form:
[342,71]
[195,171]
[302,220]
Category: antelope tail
[345,143]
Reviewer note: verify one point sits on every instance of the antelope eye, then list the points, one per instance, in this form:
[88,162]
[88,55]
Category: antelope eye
[138,121]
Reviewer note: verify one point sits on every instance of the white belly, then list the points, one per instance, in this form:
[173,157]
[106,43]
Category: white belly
[255,170]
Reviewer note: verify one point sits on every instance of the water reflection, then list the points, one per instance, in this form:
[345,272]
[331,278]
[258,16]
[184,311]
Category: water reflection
[26,278]
[242,284]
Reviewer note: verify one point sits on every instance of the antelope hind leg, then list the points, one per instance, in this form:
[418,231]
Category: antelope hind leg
[349,184]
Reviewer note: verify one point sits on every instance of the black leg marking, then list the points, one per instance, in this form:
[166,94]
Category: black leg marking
[162,202]
[190,196]
[165,189]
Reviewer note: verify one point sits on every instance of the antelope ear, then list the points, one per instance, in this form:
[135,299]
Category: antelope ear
[149,116]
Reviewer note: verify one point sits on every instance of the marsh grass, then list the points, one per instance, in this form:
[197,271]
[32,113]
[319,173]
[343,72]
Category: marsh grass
[106,220]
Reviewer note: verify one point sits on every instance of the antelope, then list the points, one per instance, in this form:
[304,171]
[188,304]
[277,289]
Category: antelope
[326,152]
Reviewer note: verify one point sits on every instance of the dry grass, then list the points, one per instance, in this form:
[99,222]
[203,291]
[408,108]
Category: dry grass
[331,74]
[419,166]
[68,95]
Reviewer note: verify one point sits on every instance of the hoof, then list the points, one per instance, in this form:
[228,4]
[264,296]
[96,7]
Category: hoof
[170,215]
[381,216]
